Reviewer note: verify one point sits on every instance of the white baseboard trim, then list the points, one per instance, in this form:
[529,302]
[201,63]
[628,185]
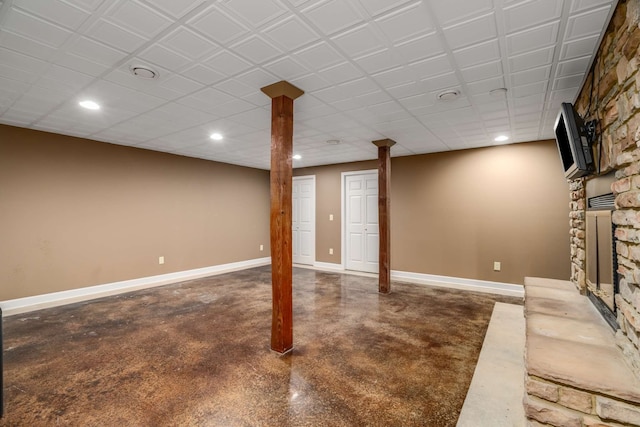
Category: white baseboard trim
[474,285]
[38,302]
[330,266]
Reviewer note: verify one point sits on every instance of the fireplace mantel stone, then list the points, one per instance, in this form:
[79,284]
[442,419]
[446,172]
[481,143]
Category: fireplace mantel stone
[576,374]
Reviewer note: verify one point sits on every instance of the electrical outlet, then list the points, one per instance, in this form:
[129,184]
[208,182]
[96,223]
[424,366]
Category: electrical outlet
[496,266]
[330,217]
[262,247]
[160,260]
[330,251]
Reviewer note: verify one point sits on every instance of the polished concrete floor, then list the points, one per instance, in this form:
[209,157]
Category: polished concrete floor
[197,353]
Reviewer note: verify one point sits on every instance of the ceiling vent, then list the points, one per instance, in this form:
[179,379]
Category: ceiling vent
[448,95]
[144,72]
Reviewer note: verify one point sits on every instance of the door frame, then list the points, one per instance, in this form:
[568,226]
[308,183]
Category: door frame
[313,214]
[343,210]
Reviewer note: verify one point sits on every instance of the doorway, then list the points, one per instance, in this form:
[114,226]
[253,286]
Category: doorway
[303,220]
[360,231]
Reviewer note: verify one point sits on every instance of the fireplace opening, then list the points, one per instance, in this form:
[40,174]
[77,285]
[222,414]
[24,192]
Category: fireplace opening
[601,258]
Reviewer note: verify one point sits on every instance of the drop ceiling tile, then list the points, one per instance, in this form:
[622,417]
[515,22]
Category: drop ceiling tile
[115,36]
[218,26]
[395,77]
[179,84]
[163,57]
[451,11]
[379,61]
[309,82]
[438,83]
[485,86]
[573,66]
[203,74]
[235,88]
[532,59]
[471,32]
[286,69]
[533,39]
[417,101]
[431,67]
[65,78]
[422,47]
[189,44]
[81,64]
[57,12]
[577,48]
[177,8]
[256,13]
[95,52]
[116,96]
[580,5]
[317,56]
[291,33]
[88,5]
[332,15]
[587,24]
[376,7]
[256,49]
[138,18]
[403,90]
[227,63]
[531,13]
[27,46]
[359,41]
[568,82]
[205,99]
[530,89]
[532,75]
[20,62]
[407,23]
[478,54]
[36,28]
[340,73]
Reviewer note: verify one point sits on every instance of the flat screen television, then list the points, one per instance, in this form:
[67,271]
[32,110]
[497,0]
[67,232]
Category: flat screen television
[573,144]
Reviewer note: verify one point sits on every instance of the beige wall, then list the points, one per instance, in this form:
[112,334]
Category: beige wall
[75,213]
[455,213]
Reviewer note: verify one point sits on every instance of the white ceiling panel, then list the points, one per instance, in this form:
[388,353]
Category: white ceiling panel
[533,39]
[471,32]
[452,11]
[59,12]
[218,26]
[370,69]
[256,13]
[177,8]
[188,43]
[407,23]
[587,24]
[36,28]
[531,13]
[331,16]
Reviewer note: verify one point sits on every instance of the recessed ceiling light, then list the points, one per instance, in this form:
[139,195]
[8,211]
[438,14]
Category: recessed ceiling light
[89,105]
[216,136]
[448,95]
[501,138]
[297,157]
[144,72]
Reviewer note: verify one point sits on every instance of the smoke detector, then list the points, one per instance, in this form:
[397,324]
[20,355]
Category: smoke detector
[144,72]
[448,95]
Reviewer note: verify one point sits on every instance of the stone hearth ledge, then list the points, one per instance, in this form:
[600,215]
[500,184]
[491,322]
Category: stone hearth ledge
[575,370]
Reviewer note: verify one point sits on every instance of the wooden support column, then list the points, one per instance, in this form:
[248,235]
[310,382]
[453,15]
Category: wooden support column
[282,96]
[384,217]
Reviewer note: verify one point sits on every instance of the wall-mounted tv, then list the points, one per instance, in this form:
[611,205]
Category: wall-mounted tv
[573,143]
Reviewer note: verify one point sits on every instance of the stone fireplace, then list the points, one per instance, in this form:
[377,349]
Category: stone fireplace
[581,370]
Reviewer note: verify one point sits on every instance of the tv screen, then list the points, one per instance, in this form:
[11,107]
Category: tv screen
[573,145]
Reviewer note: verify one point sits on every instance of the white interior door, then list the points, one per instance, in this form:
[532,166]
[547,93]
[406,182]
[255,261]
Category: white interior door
[361,227]
[303,220]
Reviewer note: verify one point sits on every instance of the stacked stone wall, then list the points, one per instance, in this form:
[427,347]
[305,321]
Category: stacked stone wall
[611,95]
